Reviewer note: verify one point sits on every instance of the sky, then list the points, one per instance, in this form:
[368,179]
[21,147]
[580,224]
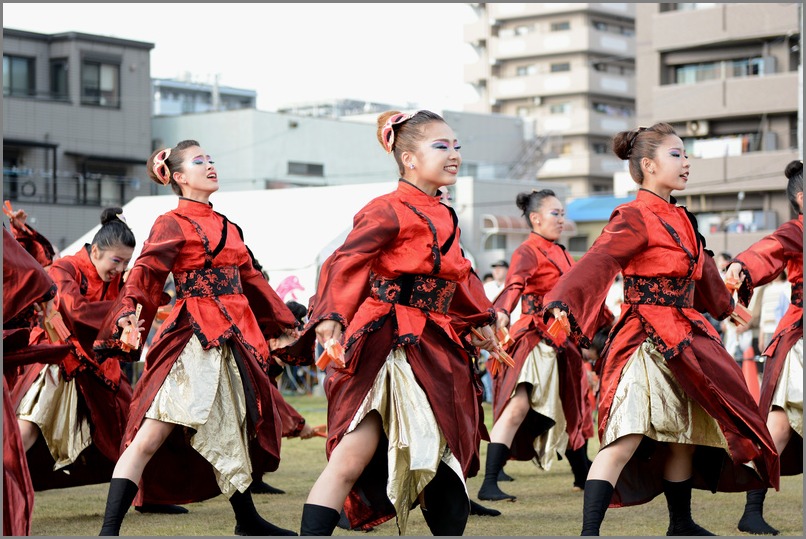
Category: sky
[400,54]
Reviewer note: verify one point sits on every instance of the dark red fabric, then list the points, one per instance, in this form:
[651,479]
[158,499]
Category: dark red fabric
[18,492]
[763,262]
[181,241]
[37,245]
[652,237]
[397,234]
[83,300]
[536,265]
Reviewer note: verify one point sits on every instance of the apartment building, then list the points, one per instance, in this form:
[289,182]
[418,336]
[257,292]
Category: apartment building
[186,96]
[570,67]
[729,77]
[76,126]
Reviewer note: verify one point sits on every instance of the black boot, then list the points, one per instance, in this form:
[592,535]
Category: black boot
[752,520]
[162,508]
[478,509]
[678,500]
[318,520]
[247,519]
[504,476]
[446,505]
[579,466]
[497,455]
[596,500]
[261,487]
[121,494]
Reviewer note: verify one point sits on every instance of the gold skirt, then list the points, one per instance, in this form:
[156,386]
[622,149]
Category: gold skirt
[540,370]
[416,444]
[203,392]
[788,393]
[650,401]
[52,403]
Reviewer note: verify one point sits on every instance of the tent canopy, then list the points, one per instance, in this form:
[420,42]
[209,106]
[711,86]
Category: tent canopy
[290,231]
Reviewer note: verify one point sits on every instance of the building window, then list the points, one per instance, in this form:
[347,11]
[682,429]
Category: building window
[58,79]
[560,108]
[560,26]
[600,148]
[100,84]
[561,67]
[18,76]
[705,71]
[305,169]
[525,71]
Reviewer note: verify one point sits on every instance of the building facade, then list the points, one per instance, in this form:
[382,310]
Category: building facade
[728,77]
[570,67]
[76,126]
[186,96]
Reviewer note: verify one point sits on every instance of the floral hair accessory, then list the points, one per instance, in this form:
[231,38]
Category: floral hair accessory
[160,167]
[388,131]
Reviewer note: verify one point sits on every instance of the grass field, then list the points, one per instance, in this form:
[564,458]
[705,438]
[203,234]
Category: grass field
[546,506]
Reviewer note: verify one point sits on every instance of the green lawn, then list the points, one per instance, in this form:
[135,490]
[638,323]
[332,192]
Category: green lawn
[546,505]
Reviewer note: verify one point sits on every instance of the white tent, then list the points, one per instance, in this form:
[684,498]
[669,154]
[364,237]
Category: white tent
[290,231]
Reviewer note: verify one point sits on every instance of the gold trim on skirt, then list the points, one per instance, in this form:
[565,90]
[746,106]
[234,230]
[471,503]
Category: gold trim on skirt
[52,403]
[540,370]
[203,392]
[789,391]
[416,444]
[650,401]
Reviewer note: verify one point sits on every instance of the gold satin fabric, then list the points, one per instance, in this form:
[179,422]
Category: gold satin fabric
[789,391]
[650,401]
[52,403]
[416,444]
[540,370]
[203,392]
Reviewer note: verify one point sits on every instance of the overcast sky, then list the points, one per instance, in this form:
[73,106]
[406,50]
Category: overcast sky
[399,54]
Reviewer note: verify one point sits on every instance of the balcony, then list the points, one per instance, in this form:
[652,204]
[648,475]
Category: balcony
[580,40]
[519,10]
[756,171]
[743,96]
[723,23]
[578,81]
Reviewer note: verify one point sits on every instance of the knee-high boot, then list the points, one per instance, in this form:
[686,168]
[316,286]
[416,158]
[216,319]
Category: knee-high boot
[596,500]
[446,506]
[247,519]
[752,520]
[497,455]
[121,495]
[579,466]
[318,520]
[678,500]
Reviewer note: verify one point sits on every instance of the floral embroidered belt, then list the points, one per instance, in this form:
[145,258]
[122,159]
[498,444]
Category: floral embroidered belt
[796,296]
[208,282]
[665,291]
[531,303]
[424,292]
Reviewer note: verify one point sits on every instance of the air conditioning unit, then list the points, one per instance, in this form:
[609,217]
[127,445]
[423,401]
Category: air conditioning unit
[697,128]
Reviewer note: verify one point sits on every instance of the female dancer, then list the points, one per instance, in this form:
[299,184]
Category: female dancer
[202,414]
[667,383]
[91,394]
[781,399]
[403,413]
[537,404]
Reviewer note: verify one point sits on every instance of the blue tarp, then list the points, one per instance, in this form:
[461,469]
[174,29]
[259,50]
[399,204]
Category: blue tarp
[595,208]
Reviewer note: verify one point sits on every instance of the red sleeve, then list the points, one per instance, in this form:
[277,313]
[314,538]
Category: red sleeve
[582,290]
[25,281]
[524,264]
[470,306]
[766,258]
[710,293]
[272,314]
[344,277]
[35,243]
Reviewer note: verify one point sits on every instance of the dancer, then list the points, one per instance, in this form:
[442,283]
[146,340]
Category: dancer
[403,411]
[202,418]
[667,383]
[781,399]
[72,414]
[537,404]
[35,243]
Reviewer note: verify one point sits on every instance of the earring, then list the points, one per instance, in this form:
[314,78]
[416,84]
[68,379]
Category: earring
[411,166]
